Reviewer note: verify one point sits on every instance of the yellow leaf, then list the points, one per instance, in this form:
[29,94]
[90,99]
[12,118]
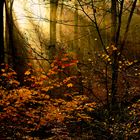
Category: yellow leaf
[107,47]
[4,74]
[108,59]
[90,109]
[27,72]
[45,89]
[43,76]
[107,56]
[3,70]
[70,85]
[135,61]
[103,55]
[114,48]
[52,65]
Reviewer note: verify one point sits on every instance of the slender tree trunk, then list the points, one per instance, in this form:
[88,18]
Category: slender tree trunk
[76,43]
[76,26]
[115,38]
[53,20]
[114,55]
[10,24]
[1,32]
[61,17]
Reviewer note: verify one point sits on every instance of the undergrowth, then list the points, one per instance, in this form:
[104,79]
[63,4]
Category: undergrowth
[49,106]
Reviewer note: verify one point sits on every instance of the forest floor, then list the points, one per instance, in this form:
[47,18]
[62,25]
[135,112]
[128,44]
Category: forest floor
[58,119]
[37,112]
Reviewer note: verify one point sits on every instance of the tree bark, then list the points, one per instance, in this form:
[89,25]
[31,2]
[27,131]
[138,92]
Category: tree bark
[76,26]
[116,27]
[9,26]
[53,20]
[1,32]
[114,54]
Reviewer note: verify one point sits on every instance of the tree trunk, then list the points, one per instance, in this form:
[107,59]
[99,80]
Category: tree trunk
[76,45]
[9,26]
[114,54]
[18,63]
[76,26]
[61,17]
[53,20]
[1,32]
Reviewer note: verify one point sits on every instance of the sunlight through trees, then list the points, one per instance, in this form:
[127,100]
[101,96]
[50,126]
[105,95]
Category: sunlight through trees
[69,69]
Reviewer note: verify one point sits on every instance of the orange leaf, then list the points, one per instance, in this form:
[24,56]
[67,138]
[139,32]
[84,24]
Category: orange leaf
[70,85]
[27,72]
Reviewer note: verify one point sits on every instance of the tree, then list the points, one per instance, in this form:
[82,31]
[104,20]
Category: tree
[1,31]
[9,27]
[76,26]
[116,28]
[118,38]
[53,20]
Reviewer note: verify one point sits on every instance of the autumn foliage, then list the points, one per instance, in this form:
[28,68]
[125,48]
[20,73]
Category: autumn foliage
[48,103]
[45,97]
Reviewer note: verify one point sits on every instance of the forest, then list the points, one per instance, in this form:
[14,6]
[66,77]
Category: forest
[69,69]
